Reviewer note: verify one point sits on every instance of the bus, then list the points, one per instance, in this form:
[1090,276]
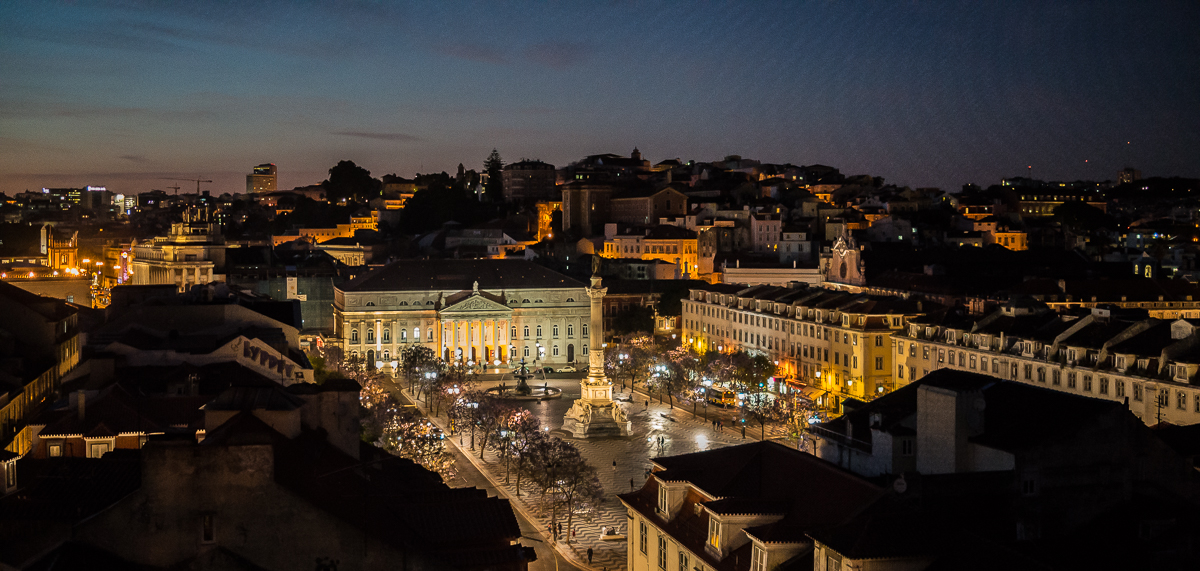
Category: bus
[721,396]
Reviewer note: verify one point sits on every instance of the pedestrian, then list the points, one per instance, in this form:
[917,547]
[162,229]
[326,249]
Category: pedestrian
[572,534]
[589,556]
[631,484]
[560,528]
[603,529]
[614,465]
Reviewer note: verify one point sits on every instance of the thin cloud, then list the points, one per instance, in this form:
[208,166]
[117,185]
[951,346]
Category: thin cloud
[378,136]
[141,159]
[472,52]
[558,54]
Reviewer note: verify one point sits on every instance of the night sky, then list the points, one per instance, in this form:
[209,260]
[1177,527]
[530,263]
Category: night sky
[921,93]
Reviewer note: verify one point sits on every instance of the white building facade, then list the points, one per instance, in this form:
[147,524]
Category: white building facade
[483,312]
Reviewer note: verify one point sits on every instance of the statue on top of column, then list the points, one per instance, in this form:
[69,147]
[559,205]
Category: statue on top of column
[595,265]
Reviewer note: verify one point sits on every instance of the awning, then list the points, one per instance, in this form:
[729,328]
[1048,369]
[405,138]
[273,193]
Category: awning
[812,393]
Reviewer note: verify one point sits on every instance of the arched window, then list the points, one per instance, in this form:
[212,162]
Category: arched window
[524,301]
[430,332]
[417,335]
[585,331]
[354,336]
[370,335]
[569,299]
[387,356]
[555,350]
[526,350]
[514,332]
[387,334]
[570,330]
[539,331]
[370,304]
[526,331]
[555,330]
[403,336]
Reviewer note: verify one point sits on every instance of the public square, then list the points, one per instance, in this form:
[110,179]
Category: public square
[622,462]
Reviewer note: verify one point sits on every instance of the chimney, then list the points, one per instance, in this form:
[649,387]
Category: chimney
[82,406]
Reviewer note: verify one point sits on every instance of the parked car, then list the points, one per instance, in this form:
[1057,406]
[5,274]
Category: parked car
[547,369]
[568,369]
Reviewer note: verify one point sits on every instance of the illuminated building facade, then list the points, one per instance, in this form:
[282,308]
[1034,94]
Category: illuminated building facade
[667,243]
[1149,364]
[190,255]
[476,311]
[261,179]
[824,342]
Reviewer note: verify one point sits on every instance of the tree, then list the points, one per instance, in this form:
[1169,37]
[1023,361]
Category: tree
[630,357]
[750,374]
[449,379]
[415,362]
[564,477]
[409,435]
[688,368]
[494,167]
[348,181]
[492,415]
[525,431]
[440,200]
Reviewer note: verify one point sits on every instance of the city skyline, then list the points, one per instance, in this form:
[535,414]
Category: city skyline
[127,94]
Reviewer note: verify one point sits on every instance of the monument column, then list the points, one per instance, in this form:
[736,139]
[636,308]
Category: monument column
[595,414]
[596,337]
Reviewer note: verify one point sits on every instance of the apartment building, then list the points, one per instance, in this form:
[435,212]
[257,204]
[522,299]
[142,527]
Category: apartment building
[1152,365]
[720,509]
[830,345]
[664,242]
[765,232]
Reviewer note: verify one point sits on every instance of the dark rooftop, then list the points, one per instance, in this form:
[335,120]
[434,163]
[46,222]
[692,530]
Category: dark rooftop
[459,275]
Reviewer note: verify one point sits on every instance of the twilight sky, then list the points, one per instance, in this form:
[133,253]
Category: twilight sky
[921,93]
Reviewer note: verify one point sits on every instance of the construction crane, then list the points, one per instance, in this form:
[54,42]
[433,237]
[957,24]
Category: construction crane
[195,180]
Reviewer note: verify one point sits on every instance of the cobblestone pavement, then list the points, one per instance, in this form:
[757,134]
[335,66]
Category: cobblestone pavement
[658,430]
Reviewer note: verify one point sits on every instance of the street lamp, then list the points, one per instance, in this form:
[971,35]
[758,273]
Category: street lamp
[504,436]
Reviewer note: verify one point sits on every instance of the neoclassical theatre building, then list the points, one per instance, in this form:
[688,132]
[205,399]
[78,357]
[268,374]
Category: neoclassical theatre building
[481,311]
